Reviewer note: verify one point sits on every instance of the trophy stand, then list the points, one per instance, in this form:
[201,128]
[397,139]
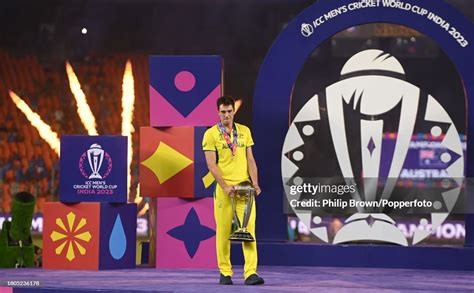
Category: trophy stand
[246,192]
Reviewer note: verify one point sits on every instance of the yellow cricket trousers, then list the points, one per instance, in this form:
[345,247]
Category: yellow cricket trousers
[223,215]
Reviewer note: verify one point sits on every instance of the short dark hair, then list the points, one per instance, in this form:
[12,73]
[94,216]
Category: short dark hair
[226,101]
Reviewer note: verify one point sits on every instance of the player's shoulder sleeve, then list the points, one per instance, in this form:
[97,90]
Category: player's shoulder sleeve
[208,140]
[248,136]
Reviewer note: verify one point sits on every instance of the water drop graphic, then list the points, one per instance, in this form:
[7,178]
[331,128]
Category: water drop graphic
[118,240]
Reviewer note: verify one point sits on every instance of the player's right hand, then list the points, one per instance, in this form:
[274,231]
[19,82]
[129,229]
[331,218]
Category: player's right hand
[229,189]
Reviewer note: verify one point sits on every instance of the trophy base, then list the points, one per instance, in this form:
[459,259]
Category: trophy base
[241,237]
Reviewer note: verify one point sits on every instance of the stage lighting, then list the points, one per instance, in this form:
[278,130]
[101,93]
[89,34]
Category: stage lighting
[16,246]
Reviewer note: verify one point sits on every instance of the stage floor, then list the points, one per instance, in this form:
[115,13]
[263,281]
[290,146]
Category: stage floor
[278,279]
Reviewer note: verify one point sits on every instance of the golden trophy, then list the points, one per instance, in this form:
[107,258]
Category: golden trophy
[246,192]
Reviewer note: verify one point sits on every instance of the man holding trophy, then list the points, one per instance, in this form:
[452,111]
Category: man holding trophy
[228,150]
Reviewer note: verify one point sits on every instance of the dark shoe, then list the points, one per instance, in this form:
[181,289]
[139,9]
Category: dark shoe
[254,279]
[225,280]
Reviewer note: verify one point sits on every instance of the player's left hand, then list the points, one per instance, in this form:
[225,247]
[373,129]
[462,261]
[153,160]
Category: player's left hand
[257,189]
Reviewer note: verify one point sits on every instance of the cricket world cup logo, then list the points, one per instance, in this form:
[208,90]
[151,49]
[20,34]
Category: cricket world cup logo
[307,29]
[95,156]
[373,89]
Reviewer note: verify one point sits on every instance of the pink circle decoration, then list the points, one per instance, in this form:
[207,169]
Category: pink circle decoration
[184,81]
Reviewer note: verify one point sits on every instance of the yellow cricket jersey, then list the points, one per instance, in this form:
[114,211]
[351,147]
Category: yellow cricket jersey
[232,169]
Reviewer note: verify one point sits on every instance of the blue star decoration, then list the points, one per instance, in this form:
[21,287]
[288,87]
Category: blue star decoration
[191,232]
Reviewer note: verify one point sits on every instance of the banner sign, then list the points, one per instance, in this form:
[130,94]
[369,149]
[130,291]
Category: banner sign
[93,169]
[374,92]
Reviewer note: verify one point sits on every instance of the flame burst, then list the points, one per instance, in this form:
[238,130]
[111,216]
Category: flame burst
[238,103]
[83,109]
[144,210]
[44,129]
[138,200]
[87,118]
[128,101]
